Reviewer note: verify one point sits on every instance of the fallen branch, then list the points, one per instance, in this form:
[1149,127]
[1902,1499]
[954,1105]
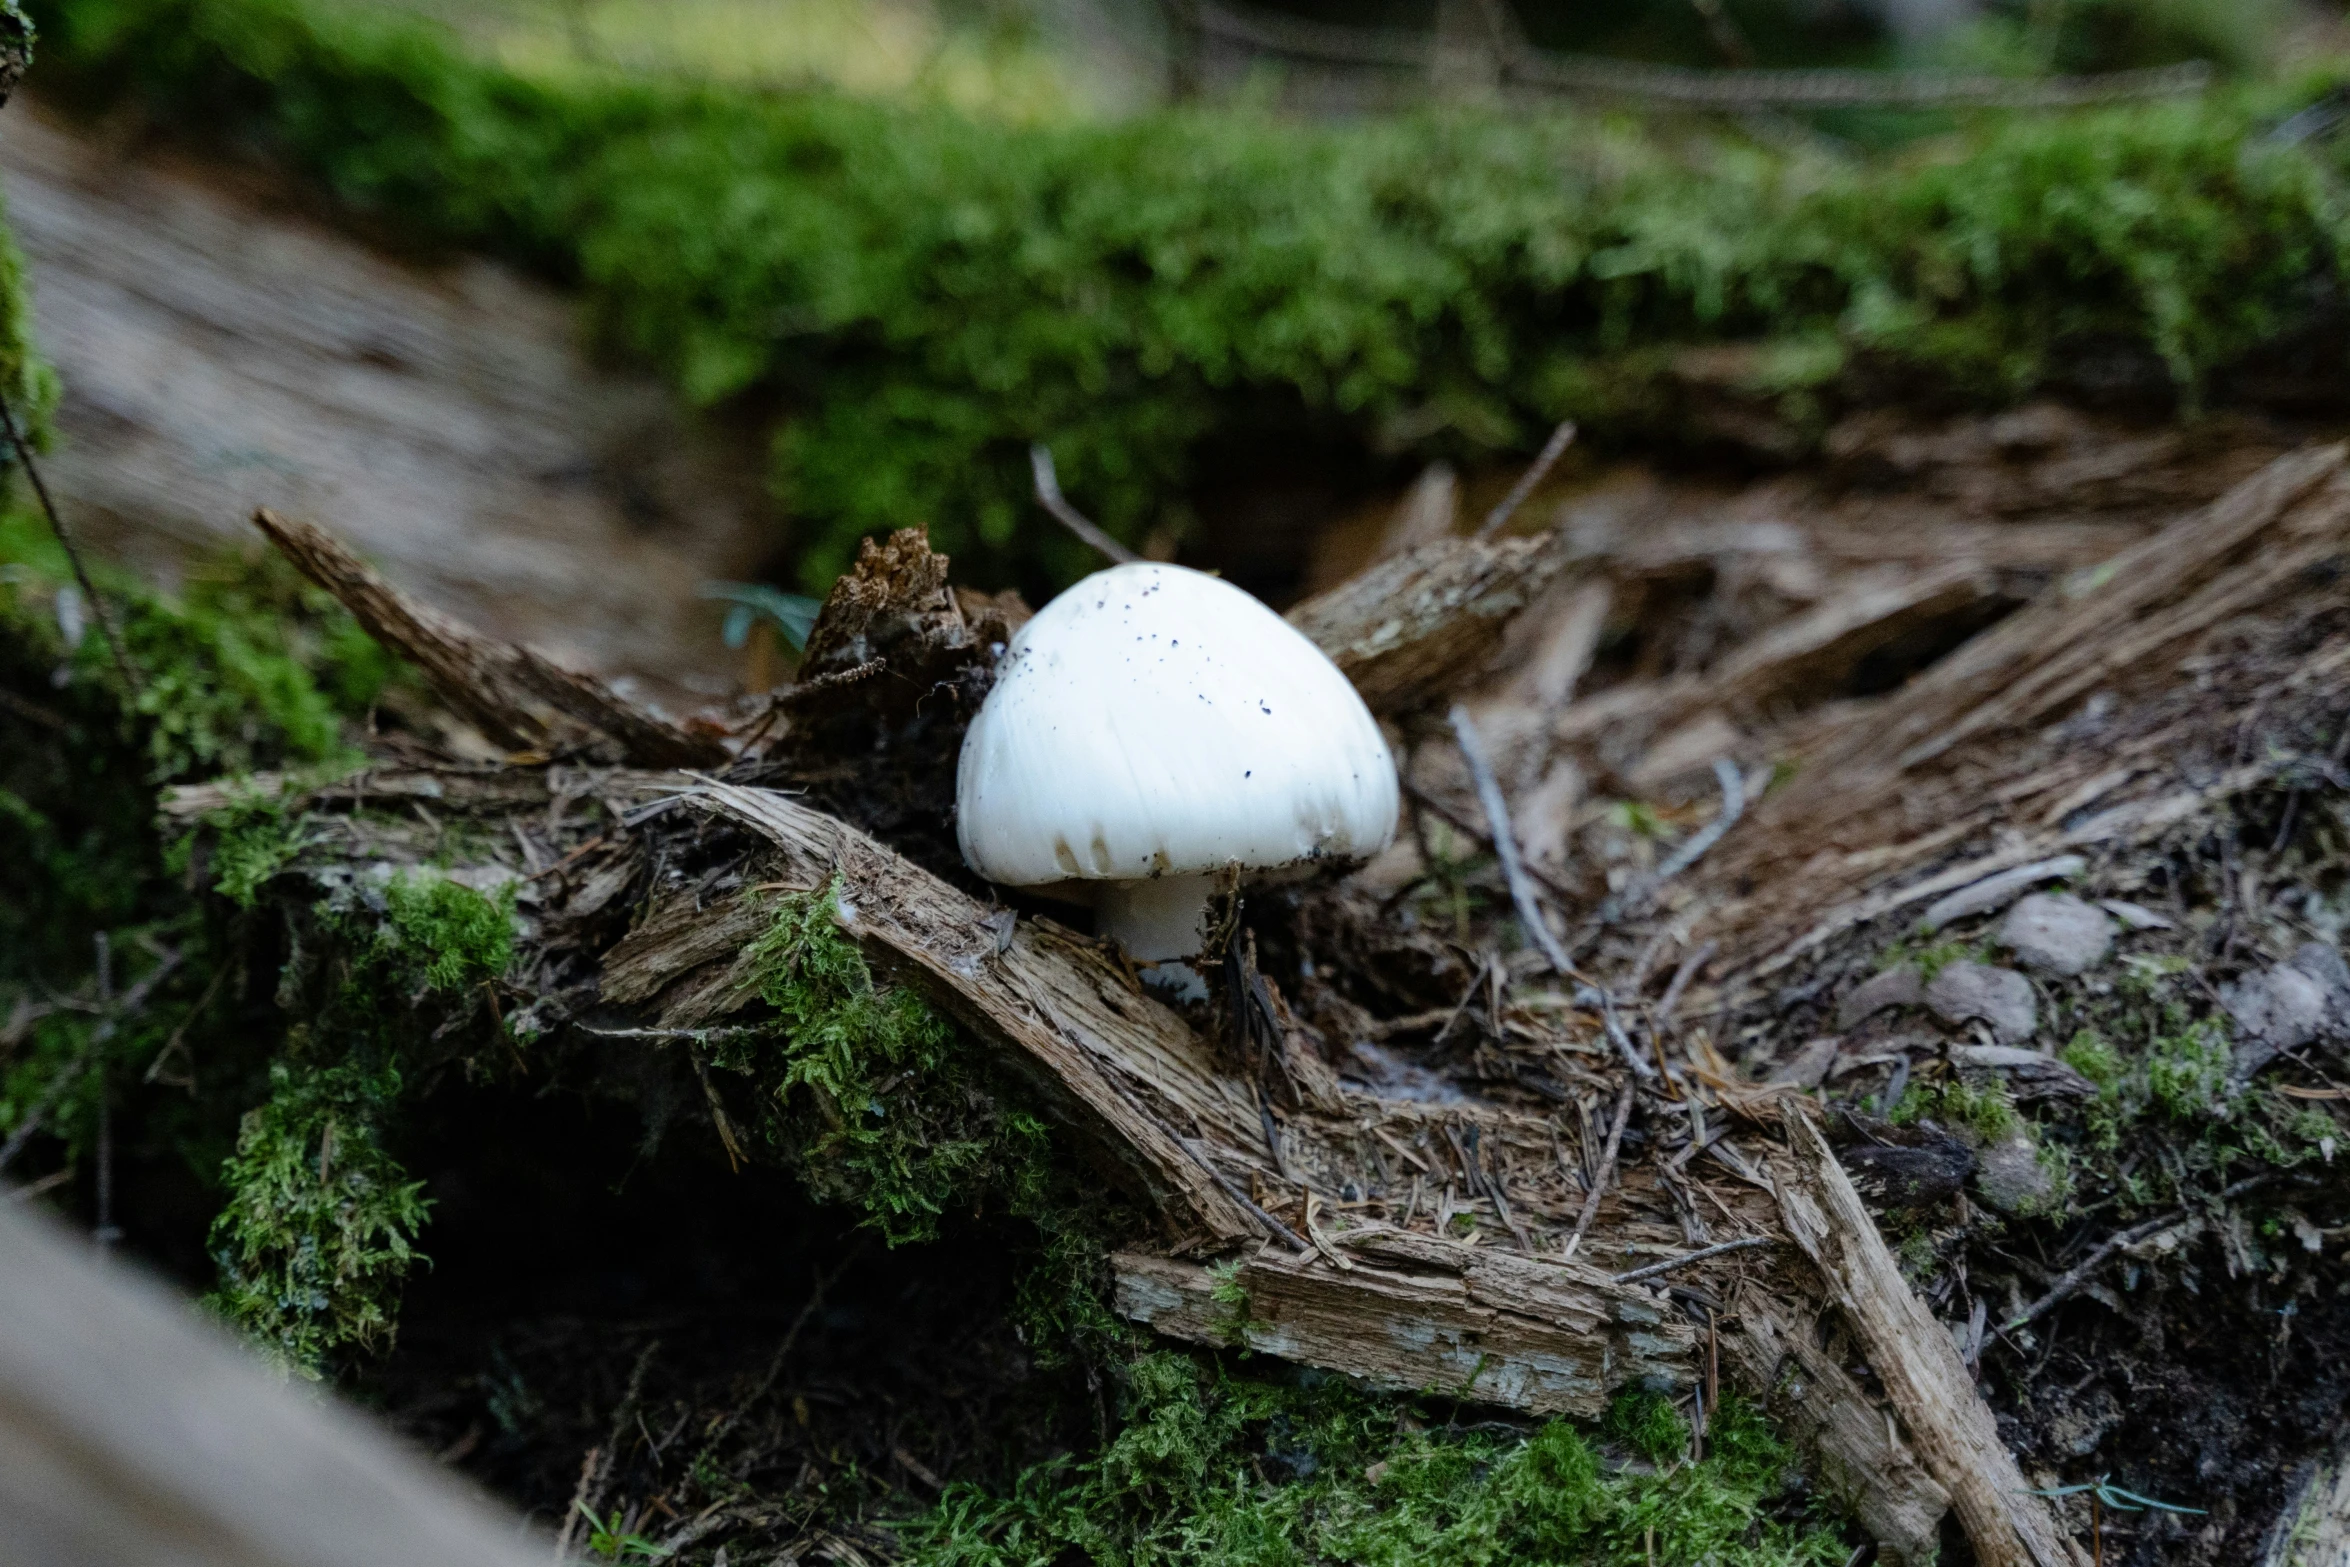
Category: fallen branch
[1658,1269]
[504,690]
[1912,1354]
[1552,450]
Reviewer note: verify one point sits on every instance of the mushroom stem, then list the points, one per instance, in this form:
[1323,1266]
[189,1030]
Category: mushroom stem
[1156,919]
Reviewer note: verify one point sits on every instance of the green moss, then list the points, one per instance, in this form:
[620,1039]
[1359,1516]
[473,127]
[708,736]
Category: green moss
[880,1103]
[1212,1467]
[450,934]
[1649,1425]
[928,294]
[320,1226]
[2088,1054]
[2187,1069]
[1980,1109]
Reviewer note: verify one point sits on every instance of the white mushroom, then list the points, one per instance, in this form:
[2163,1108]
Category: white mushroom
[1152,726]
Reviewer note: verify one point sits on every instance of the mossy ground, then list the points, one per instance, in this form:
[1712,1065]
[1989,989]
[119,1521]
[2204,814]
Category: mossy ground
[923,294]
[1221,1465]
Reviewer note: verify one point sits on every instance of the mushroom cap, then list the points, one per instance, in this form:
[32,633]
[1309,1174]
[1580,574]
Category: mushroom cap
[1154,721]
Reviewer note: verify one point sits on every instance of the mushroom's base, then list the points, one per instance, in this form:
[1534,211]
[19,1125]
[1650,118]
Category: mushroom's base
[1157,919]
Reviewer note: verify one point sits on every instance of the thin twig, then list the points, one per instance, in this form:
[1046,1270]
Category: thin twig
[1592,995]
[1733,806]
[1681,978]
[1743,1243]
[571,1515]
[104,1231]
[1607,1170]
[1552,450]
[1505,840]
[1232,1190]
[2070,1281]
[73,556]
[1049,496]
[791,1336]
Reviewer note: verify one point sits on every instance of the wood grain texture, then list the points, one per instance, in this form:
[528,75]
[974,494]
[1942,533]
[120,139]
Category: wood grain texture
[1773,1349]
[1914,1357]
[221,349]
[1123,1068]
[1416,625]
[1419,1313]
[133,1434]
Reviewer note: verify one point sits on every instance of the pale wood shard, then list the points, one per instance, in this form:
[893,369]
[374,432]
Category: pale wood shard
[134,1435]
[1914,1357]
[1776,1352]
[515,697]
[1414,626]
[2313,1528]
[1417,1313]
[1120,1065]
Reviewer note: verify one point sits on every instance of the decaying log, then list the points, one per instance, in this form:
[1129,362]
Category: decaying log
[1502,1316]
[1914,1357]
[515,697]
[134,1435]
[1411,628]
[1411,1312]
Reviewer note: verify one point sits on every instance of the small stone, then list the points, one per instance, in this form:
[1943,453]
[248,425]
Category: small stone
[2304,998]
[2057,933]
[1808,1068]
[2135,915]
[1999,996]
[2029,1074]
[1898,986]
[2010,1177]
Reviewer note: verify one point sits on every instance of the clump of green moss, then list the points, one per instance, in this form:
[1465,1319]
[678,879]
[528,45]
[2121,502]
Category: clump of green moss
[1216,1467]
[320,1225]
[1981,1109]
[882,1104]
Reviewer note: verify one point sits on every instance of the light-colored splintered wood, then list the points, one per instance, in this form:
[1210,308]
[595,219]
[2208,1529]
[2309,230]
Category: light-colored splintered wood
[1413,627]
[1774,1350]
[1118,1064]
[133,1435]
[1928,1384]
[1419,1313]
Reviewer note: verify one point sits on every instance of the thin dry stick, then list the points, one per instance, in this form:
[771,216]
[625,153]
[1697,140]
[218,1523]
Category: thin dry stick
[611,1449]
[2070,1281]
[1552,450]
[1743,1243]
[1681,978]
[1049,496]
[1505,840]
[587,1475]
[1607,1170]
[132,1000]
[73,557]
